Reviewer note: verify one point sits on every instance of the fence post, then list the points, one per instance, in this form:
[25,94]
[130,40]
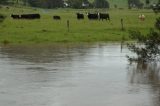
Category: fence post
[122,27]
[68,25]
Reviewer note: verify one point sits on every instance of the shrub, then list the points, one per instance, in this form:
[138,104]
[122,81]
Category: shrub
[146,46]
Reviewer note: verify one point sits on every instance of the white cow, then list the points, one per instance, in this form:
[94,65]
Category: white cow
[142,17]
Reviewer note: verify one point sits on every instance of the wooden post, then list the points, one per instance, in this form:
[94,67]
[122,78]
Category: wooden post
[122,24]
[122,42]
[68,25]
[121,46]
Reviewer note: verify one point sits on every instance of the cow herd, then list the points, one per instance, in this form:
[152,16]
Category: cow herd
[94,16]
[80,16]
[25,16]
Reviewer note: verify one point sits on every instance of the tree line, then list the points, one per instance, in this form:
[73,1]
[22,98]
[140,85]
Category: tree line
[73,3]
[139,4]
[59,3]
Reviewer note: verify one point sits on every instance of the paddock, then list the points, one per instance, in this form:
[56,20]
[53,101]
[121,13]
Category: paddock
[46,29]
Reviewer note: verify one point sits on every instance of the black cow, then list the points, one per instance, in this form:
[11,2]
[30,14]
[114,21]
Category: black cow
[30,16]
[56,17]
[15,16]
[80,16]
[93,16]
[104,16]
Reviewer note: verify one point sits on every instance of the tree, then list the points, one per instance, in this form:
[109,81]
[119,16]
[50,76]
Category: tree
[75,3]
[53,3]
[3,1]
[147,46]
[25,2]
[34,3]
[17,1]
[134,3]
[46,3]
[147,2]
[78,3]
[101,3]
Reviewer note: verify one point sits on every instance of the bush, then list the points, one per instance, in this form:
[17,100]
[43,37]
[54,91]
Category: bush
[101,4]
[147,46]
[157,24]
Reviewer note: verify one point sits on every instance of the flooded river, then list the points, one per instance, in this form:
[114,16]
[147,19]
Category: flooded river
[79,75]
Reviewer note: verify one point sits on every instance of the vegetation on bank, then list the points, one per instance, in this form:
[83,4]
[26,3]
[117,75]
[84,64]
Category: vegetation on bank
[147,47]
[47,30]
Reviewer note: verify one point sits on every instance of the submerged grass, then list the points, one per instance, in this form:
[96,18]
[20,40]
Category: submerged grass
[47,30]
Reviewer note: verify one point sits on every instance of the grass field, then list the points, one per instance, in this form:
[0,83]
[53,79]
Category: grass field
[47,30]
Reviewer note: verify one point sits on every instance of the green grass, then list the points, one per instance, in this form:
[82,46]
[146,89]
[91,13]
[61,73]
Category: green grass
[47,30]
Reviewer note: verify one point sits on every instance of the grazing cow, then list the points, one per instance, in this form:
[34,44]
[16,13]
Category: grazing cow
[93,16]
[30,16]
[56,17]
[15,16]
[104,16]
[80,16]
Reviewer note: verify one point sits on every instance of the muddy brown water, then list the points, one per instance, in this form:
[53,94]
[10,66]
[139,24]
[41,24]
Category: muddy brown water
[75,75]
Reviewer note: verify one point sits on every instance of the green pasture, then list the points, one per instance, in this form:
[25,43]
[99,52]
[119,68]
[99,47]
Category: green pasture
[47,30]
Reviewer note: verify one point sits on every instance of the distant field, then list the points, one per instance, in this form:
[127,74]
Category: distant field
[47,30]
